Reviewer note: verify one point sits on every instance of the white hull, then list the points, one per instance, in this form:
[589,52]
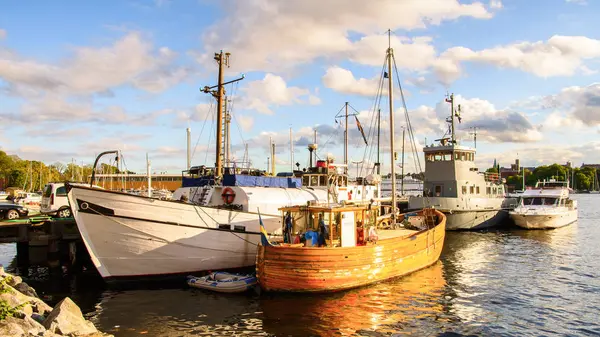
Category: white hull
[544,221]
[130,235]
[467,213]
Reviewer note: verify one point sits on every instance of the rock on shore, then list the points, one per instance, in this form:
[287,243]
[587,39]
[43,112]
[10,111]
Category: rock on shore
[23,314]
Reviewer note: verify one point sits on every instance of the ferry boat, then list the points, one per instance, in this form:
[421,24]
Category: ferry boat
[454,185]
[546,206]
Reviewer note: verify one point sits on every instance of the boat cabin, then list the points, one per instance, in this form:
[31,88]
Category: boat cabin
[548,193]
[450,171]
[327,226]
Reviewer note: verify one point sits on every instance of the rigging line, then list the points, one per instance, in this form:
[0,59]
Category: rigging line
[209,138]
[210,107]
[411,134]
[376,103]
[409,125]
[239,129]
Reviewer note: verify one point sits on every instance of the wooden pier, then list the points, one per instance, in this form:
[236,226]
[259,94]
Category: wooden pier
[43,240]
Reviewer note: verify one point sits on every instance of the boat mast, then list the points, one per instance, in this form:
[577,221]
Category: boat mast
[452,118]
[223,60]
[227,147]
[378,136]
[346,139]
[291,152]
[390,55]
[149,176]
[402,174]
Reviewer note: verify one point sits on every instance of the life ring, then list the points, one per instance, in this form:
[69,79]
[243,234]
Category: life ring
[228,195]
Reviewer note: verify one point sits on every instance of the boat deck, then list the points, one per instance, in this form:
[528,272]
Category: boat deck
[394,233]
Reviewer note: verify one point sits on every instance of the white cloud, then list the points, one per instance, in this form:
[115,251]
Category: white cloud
[559,56]
[410,53]
[273,91]
[578,2]
[129,60]
[246,122]
[496,4]
[343,81]
[272,35]
[493,125]
[51,109]
[581,103]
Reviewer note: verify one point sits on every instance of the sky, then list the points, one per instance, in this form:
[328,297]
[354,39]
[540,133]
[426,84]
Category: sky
[88,76]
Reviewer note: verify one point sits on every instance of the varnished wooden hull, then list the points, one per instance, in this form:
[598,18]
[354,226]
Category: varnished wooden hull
[325,269]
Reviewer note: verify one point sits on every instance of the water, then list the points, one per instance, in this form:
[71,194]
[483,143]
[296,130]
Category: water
[499,283]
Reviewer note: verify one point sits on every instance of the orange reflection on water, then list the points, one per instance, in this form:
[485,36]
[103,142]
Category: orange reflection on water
[383,307]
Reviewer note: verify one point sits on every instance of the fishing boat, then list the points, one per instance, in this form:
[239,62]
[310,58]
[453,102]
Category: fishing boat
[347,258]
[546,206]
[454,185]
[348,245]
[223,282]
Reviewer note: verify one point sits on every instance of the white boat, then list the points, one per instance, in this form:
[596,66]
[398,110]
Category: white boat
[217,228]
[546,206]
[223,282]
[453,184]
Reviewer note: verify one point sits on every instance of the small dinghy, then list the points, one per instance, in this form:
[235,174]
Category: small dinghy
[223,282]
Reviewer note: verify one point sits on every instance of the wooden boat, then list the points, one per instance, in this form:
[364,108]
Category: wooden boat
[348,260]
[223,282]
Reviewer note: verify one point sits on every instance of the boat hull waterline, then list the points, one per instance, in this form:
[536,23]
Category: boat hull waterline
[544,221]
[128,236]
[327,269]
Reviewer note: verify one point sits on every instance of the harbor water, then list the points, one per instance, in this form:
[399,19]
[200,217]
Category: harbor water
[505,282]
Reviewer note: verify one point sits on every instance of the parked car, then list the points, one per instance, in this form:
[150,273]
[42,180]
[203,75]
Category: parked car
[12,211]
[54,200]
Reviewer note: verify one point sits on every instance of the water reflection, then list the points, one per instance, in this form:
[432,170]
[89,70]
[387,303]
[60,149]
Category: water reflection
[386,307]
[509,282]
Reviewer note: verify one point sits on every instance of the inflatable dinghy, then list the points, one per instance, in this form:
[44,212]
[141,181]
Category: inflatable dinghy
[223,282]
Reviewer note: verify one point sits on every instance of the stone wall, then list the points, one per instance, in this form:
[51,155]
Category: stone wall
[24,314]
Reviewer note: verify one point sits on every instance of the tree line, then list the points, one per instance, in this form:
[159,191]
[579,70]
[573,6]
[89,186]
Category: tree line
[583,178]
[33,175]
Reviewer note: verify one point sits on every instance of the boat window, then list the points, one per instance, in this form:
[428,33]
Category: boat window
[464,190]
[495,190]
[438,157]
[539,201]
[429,157]
[305,181]
[438,190]
[477,189]
[488,190]
[322,181]
[447,156]
[472,189]
[313,181]
[456,155]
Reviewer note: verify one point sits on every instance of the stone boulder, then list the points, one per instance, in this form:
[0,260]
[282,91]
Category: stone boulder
[25,289]
[12,280]
[15,298]
[13,326]
[66,319]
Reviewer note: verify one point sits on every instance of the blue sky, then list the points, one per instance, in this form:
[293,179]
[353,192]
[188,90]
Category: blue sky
[84,77]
